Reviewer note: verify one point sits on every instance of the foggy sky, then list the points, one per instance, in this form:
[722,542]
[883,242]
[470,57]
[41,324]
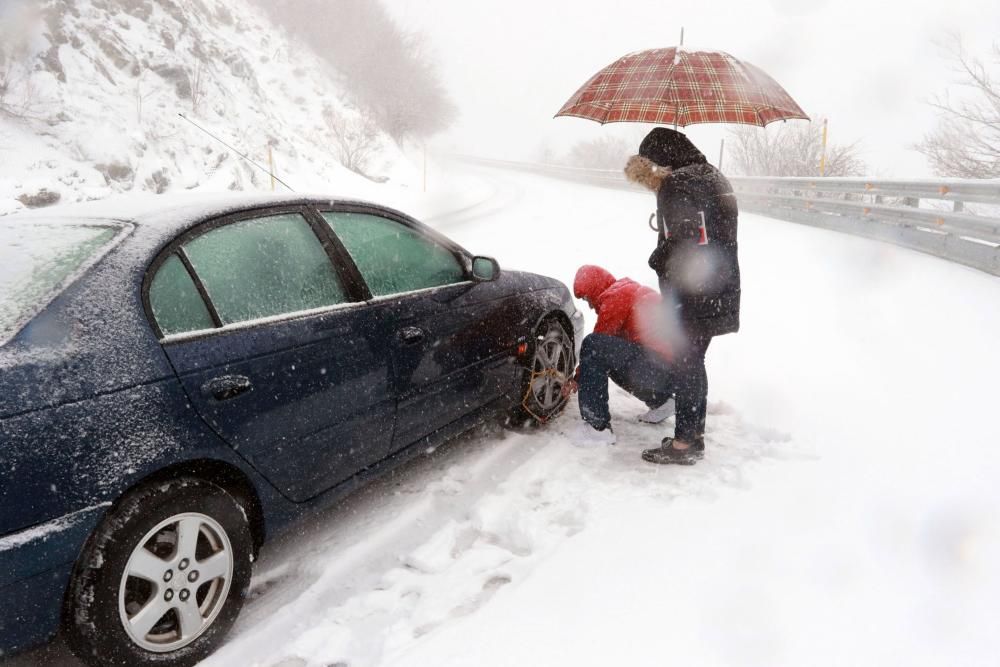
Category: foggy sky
[868,66]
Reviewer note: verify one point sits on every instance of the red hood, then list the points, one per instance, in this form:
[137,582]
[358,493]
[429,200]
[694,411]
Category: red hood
[591,281]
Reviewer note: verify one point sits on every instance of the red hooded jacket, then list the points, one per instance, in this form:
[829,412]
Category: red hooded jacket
[619,304]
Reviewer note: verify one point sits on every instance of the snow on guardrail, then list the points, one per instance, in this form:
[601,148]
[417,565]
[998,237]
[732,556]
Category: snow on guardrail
[957,220]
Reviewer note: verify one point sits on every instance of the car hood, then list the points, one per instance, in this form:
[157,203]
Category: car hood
[527,281]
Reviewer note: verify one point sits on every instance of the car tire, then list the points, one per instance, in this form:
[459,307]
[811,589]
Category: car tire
[162,579]
[549,363]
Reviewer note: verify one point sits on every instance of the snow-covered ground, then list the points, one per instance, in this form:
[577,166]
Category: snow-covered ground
[845,514]
[846,511]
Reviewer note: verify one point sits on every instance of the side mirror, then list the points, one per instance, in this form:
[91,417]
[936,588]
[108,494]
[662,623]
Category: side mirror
[485,269]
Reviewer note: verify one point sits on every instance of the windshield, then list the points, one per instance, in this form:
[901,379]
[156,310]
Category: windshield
[38,260]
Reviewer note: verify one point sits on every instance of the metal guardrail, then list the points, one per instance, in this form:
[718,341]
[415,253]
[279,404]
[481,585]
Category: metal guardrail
[957,220]
[951,219]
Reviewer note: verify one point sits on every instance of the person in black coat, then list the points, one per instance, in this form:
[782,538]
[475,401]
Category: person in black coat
[697,265]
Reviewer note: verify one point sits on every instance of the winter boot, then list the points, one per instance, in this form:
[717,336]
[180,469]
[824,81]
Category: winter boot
[586,436]
[657,415]
[666,453]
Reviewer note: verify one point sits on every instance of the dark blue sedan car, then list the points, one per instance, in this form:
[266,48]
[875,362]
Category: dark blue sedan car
[180,379]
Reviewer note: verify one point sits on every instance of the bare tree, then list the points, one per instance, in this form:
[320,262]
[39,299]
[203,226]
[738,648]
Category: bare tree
[544,153]
[791,149]
[606,152]
[17,90]
[409,99]
[356,140]
[388,71]
[9,77]
[966,141]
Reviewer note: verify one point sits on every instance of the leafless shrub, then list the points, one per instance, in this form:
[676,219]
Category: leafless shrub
[603,153]
[144,92]
[790,149]
[198,87]
[356,139]
[966,141]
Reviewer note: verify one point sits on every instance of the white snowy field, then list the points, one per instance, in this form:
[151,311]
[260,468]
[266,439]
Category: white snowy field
[846,511]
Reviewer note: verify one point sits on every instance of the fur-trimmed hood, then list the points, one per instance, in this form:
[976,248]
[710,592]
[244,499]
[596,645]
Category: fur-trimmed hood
[662,152]
[646,173]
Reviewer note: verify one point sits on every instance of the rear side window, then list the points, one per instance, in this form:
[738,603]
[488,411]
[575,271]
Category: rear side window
[264,267]
[38,260]
[175,301]
[392,257]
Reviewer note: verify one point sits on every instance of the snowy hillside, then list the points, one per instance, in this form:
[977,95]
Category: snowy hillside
[91,108]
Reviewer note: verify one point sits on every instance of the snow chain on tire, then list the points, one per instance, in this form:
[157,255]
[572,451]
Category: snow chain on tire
[548,372]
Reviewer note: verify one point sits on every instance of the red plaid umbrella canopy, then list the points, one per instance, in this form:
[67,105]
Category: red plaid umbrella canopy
[675,86]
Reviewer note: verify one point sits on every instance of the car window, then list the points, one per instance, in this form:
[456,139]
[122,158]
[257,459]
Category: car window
[175,301]
[392,257]
[264,267]
[37,259]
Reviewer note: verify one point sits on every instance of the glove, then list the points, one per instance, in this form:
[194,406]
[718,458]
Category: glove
[658,257]
[571,387]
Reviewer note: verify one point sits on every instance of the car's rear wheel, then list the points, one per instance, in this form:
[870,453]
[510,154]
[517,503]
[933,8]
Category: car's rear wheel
[162,579]
[549,367]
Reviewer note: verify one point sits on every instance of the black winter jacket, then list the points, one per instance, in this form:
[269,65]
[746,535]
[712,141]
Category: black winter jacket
[696,254]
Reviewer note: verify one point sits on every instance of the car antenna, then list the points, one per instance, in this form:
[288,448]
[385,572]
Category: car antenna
[245,157]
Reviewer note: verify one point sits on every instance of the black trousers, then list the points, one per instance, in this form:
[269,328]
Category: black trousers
[690,385]
[647,377]
[640,372]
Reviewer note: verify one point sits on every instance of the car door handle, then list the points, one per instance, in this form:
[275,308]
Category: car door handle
[227,387]
[410,335]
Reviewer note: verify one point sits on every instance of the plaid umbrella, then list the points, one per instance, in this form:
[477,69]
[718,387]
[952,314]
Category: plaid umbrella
[680,87]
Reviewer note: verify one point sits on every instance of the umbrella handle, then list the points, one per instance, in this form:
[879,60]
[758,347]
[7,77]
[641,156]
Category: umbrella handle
[655,228]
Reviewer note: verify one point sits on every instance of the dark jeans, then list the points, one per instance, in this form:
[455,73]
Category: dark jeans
[648,377]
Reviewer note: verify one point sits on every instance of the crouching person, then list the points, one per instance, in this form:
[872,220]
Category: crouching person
[619,350]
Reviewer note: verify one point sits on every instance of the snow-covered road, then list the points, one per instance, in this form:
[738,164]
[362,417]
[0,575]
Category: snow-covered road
[846,511]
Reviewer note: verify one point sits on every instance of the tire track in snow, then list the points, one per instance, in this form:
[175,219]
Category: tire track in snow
[483,527]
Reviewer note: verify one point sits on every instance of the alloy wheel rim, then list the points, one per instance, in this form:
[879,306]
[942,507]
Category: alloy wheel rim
[551,368]
[175,582]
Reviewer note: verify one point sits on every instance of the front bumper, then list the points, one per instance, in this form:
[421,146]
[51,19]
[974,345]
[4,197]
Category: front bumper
[35,566]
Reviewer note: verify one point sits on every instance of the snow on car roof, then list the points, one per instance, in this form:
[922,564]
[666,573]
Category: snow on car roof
[174,210]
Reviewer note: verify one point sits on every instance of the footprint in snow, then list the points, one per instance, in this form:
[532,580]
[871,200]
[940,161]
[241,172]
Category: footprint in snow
[490,588]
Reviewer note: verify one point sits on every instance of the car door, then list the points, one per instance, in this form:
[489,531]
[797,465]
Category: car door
[275,348]
[421,285]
